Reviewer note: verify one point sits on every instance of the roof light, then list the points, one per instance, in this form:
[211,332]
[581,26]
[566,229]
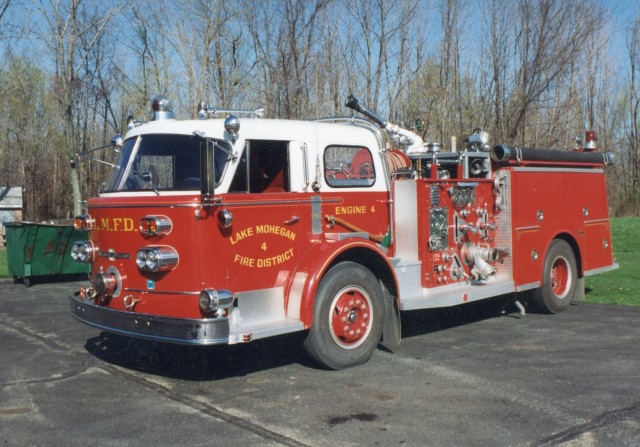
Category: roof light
[161,108]
[205,110]
[131,122]
[232,126]
[202,110]
[590,141]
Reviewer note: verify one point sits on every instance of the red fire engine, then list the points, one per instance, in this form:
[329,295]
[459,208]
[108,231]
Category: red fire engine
[223,231]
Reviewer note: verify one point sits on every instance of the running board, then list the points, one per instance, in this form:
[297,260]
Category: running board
[250,332]
[455,294]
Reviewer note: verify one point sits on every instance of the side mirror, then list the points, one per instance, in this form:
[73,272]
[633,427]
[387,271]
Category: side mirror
[147,176]
[116,142]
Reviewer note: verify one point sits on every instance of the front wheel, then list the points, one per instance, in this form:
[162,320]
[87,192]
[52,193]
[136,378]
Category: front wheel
[348,317]
[559,279]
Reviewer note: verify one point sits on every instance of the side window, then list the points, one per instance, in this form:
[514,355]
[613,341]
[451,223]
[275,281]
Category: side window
[263,168]
[348,166]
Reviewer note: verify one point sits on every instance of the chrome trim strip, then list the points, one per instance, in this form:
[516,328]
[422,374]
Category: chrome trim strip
[281,201]
[316,215]
[286,201]
[150,193]
[532,227]
[595,221]
[147,205]
[158,292]
[343,236]
[608,268]
[206,331]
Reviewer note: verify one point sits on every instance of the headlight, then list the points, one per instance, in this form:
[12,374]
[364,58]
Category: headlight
[83,251]
[155,226]
[156,259]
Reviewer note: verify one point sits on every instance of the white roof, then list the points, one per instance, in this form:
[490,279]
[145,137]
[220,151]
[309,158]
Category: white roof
[264,129]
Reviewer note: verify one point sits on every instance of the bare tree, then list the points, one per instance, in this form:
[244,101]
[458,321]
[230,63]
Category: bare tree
[209,42]
[284,46]
[450,75]
[550,37]
[4,6]
[370,47]
[65,27]
[498,15]
[632,134]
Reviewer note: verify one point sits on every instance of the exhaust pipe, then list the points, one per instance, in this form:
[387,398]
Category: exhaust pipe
[353,103]
[403,137]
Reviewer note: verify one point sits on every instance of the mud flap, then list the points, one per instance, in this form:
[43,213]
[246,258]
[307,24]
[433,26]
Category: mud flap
[391,331]
[579,294]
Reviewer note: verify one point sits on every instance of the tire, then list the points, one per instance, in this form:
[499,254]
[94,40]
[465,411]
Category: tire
[347,318]
[559,279]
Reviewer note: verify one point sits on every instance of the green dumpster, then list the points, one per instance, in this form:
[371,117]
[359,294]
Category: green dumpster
[37,251]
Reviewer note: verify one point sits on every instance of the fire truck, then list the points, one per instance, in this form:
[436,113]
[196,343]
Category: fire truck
[232,229]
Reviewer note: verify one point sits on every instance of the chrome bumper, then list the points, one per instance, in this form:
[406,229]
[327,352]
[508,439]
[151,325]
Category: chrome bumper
[206,331]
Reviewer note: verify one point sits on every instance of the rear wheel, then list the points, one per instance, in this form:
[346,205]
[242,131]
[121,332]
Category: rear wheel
[348,317]
[559,279]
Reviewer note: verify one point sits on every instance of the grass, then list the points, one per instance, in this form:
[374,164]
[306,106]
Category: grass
[619,286]
[4,268]
[616,287]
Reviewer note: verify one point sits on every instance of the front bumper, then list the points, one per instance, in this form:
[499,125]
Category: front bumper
[205,331]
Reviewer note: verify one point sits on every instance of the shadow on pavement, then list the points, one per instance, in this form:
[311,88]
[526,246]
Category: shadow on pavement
[422,322]
[204,363]
[197,363]
[50,279]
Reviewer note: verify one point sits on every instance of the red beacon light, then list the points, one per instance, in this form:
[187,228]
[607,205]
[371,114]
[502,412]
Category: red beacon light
[161,108]
[590,141]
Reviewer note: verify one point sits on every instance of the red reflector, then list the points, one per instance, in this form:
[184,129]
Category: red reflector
[84,222]
[155,225]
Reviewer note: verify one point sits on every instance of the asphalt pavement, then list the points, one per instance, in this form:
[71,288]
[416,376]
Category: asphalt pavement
[462,377]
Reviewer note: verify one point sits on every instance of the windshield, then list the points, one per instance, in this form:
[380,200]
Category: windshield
[164,163]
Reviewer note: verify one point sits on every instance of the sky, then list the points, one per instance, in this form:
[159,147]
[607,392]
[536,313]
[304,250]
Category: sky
[622,14]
